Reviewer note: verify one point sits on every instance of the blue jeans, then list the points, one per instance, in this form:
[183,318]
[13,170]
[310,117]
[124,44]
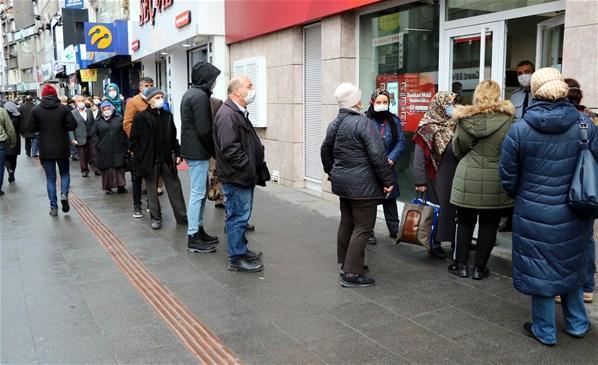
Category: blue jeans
[65,179]
[35,146]
[543,316]
[589,284]
[198,172]
[239,202]
[2,151]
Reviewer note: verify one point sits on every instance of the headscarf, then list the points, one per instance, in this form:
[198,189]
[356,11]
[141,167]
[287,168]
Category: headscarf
[115,101]
[435,131]
[381,117]
[12,108]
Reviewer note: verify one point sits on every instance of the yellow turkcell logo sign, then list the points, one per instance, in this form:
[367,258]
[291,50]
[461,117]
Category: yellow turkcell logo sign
[100,36]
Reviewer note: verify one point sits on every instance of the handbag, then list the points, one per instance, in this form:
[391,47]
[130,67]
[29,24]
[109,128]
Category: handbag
[418,223]
[583,192]
[214,192]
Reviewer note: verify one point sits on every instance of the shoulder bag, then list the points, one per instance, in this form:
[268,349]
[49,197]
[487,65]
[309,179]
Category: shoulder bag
[583,192]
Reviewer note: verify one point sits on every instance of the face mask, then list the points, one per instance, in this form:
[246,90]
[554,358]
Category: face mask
[524,79]
[380,107]
[81,105]
[250,96]
[107,113]
[449,110]
[112,94]
[97,102]
[158,104]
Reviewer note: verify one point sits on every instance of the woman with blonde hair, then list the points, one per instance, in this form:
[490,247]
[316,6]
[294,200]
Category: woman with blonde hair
[477,191]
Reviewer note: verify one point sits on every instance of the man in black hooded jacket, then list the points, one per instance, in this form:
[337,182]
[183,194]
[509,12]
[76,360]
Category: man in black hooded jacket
[197,146]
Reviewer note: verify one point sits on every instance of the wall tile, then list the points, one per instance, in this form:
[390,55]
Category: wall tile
[581,12]
[579,60]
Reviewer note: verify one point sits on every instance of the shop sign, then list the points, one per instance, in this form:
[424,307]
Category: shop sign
[73,80]
[468,77]
[389,39]
[182,19]
[89,75]
[99,37]
[150,8]
[71,68]
[135,45]
[74,4]
[46,69]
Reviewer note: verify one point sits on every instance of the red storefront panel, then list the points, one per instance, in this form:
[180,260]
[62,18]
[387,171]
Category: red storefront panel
[250,18]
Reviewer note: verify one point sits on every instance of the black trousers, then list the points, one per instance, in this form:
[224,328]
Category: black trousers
[136,182]
[10,163]
[391,215]
[173,188]
[358,218]
[488,227]
[28,145]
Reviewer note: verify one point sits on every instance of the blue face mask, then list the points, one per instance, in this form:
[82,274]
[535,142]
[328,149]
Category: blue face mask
[449,110]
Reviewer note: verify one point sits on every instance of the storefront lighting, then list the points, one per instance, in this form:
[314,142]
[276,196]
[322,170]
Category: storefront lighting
[186,45]
[164,53]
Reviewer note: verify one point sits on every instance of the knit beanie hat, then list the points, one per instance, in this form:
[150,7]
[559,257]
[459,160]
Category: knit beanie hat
[106,104]
[49,90]
[347,95]
[150,92]
[549,84]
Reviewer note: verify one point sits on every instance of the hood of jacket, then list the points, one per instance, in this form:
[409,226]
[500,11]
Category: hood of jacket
[203,75]
[551,117]
[50,102]
[482,120]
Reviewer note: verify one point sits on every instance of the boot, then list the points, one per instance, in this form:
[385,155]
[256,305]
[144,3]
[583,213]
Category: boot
[206,237]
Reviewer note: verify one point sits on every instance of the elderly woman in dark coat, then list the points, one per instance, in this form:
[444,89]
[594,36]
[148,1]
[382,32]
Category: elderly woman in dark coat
[12,153]
[354,157]
[539,157]
[434,164]
[111,145]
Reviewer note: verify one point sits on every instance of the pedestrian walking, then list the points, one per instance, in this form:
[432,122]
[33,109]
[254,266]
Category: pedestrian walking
[354,157]
[11,153]
[197,147]
[240,166]
[53,121]
[153,143]
[434,165]
[112,93]
[136,105]
[550,241]
[111,143]
[476,191]
[81,137]
[8,138]
[389,128]
[30,138]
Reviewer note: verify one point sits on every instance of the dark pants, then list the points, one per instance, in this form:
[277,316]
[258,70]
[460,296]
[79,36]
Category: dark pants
[28,145]
[11,163]
[136,181]
[2,149]
[173,188]
[87,157]
[488,227]
[391,215]
[65,179]
[358,218]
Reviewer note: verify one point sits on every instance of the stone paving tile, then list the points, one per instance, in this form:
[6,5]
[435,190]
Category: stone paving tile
[349,348]
[260,340]
[450,322]
[363,315]
[412,303]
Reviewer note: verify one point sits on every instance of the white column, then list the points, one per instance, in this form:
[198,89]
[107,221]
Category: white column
[177,82]
[219,58]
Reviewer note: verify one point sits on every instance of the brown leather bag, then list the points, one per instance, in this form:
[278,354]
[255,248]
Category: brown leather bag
[416,224]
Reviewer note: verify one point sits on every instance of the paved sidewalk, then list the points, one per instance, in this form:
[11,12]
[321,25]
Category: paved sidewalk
[65,301]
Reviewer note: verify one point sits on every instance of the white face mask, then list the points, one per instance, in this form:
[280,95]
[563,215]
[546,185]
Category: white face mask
[112,94]
[250,96]
[524,79]
[158,103]
[81,105]
[107,113]
[380,107]
[449,110]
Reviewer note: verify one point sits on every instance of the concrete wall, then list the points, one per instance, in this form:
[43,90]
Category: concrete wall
[581,47]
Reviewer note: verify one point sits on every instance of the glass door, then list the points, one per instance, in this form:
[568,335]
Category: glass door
[549,43]
[472,54]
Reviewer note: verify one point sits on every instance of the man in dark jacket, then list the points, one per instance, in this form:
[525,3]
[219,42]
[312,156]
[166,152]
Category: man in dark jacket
[153,142]
[53,121]
[240,167]
[25,110]
[354,157]
[81,137]
[197,146]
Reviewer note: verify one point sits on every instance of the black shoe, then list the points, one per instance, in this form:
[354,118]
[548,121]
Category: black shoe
[353,281]
[366,269]
[479,273]
[121,190]
[527,326]
[252,255]
[437,252]
[459,269]
[394,236]
[206,237]
[109,191]
[97,173]
[220,206]
[2,193]
[85,174]
[193,245]
[583,334]
[372,240]
[137,213]
[244,265]
[250,228]
[11,177]
[65,204]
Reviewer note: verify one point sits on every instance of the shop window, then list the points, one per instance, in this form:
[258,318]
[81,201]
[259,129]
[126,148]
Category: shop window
[194,56]
[398,50]
[458,9]
[255,69]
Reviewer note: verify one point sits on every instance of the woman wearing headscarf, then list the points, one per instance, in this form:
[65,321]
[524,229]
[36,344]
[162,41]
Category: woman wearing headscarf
[112,94]
[11,154]
[389,127]
[111,145]
[538,161]
[434,165]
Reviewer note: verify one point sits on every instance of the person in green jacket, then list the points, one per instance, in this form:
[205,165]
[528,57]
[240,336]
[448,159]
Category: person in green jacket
[477,190]
[8,139]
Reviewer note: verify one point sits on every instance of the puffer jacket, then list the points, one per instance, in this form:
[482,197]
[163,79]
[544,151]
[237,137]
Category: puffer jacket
[53,121]
[538,160]
[354,157]
[196,114]
[477,143]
